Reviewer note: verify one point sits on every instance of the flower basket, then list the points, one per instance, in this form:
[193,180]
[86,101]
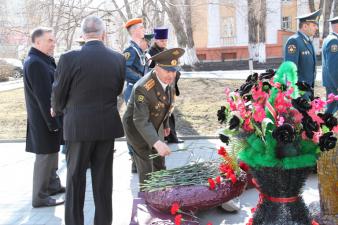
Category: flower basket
[196,197]
[280,196]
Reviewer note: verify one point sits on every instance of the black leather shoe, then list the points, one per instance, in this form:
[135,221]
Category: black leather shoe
[60,191]
[175,141]
[49,202]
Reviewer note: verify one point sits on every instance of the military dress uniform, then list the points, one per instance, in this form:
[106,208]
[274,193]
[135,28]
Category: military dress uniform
[135,67]
[330,66]
[300,50]
[147,116]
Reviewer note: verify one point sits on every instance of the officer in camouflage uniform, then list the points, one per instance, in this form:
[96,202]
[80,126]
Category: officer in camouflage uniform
[330,64]
[299,49]
[146,118]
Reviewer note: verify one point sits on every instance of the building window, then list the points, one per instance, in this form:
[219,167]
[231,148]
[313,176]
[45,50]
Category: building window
[228,31]
[286,23]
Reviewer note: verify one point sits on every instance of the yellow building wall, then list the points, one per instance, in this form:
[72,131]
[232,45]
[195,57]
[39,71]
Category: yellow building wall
[289,8]
[199,17]
[228,24]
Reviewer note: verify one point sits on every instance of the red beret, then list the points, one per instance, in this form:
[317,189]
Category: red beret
[132,22]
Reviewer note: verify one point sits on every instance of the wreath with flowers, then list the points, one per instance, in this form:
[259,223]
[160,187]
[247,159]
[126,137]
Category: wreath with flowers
[275,124]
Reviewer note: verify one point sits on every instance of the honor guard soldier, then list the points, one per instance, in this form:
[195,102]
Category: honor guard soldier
[135,58]
[300,50]
[330,64]
[146,118]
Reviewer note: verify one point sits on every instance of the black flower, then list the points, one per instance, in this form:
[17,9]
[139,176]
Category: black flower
[221,114]
[309,126]
[234,122]
[245,88]
[225,139]
[252,78]
[269,73]
[301,104]
[327,141]
[284,134]
[329,120]
[303,86]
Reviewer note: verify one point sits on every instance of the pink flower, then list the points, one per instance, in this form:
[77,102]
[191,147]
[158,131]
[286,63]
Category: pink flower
[247,126]
[335,129]
[232,105]
[297,116]
[314,116]
[318,104]
[280,120]
[331,97]
[304,137]
[227,91]
[281,105]
[316,136]
[259,113]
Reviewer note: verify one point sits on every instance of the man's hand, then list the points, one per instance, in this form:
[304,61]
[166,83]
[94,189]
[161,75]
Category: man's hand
[162,148]
[52,113]
[166,132]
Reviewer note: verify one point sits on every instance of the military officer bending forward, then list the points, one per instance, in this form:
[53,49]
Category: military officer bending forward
[146,119]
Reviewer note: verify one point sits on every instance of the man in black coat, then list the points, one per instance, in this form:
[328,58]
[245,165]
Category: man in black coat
[87,83]
[43,131]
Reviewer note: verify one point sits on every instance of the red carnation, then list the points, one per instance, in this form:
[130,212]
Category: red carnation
[233,178]
[211,183]
[222,151]
[244,166]
[218,180]
[314,223]
[175,207]
[178,219]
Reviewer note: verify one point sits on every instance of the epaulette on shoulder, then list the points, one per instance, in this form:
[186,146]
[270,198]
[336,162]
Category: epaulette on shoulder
[149,85]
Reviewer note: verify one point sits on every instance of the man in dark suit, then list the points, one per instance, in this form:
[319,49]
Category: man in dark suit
[300,50]
[146,118]
[87,83]
[43,131]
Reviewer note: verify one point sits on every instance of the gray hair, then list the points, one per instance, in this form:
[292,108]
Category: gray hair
[92,25]
[40,31]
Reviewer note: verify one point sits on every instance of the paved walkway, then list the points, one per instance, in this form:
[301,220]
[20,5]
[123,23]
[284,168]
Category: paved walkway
[16,168]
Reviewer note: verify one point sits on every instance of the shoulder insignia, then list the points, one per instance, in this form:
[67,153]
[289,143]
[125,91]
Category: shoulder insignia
[334,48]
[126,55]
[140,98]
[292,49]
[149,85]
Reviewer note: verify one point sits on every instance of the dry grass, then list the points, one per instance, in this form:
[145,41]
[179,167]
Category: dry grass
[195,109]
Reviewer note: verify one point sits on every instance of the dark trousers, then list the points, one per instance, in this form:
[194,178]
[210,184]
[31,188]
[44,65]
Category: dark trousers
[173,135]
[144,164]
[100,156]
[45,178]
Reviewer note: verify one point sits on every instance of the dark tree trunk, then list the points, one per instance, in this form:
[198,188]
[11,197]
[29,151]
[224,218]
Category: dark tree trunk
[326,16]
[335,9]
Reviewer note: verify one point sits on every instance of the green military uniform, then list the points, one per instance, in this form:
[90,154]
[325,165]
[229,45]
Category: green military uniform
[147,115]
